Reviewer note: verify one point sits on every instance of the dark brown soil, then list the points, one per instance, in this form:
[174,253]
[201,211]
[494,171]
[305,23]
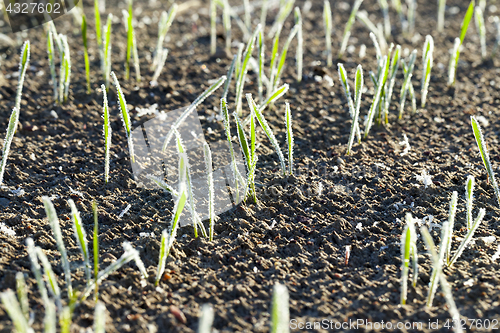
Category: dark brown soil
[298,233]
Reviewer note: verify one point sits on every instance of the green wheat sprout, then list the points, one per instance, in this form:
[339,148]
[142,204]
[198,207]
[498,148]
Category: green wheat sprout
[327,19]
[49,274]
[11,130]
[106,132]
[99,317]
[13,309]
[393,70]
[350,103]
[135,55]
[96,248]
[412,6]
[441,10]
[358,91]
[191,108]
[56,230]
[65,319]
[50,319]
[262,55]
[289,137]
[164,25]
[382,78]
[348,26]
[481,144]
[159,68]
[130,38]
[240,79]
[481,29]
[207,153]
[213,27]
[269,133]
[286,8]
[81,237]
[299,54]
[85,52]
[51,58]
[408,250]
[469,199]
[427,60]
[168,236]
[22,294]
[451,223]
[407,85]
[107,51]
[468,236]
[456,48]
[280,65]
[363,17]
[384,5]
[127,123]
[181,149]
[437,273]
[36,269]
[242,138]
[98,33]
[280,312]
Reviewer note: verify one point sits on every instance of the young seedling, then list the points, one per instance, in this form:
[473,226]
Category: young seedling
[441,9]
[213,27]
[22,294]
[263,13]
[206,319]
[289,137]
[408,249]
[81,237]
[469,198]
[85,52]
[412,8]
[363,17]
[240,80]
[107,133]
[481,144]
[52,64]
[96,248]
[437,273]
[23,66]
[242,138]
[49,274]
[381,80]
[407,85]
[393,70]
[280,313]
[496,20]
[168,236]
[181,149]
[300,41]
[107,51]
[11,130]
[350,103]
[385,13]
[135,54]
[347,29]
[190,109]
[269,133]
[159,68]
[127,124]
[227,130]
[211,192]
[99,318]
[456,48]
[50,319]
[327,19]
[36,269]
[286,7]
[427,60]
[226,22]
[468,237]
[130,38]
[11,305]
[56,230]
[248,18]
[262,55]
[481,29]
[164,24]
[358,90]
[98,34]
[451,223]
[279,70]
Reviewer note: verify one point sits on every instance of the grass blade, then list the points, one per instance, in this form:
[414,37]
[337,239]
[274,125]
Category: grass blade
[289,137]
[99,318]
[35,268]
[52,64]
[11,306]
[164,25]
[11,130]
[284,52]
[213,27]
[451,223]
[130,38]
[408,244]
[85,52]
[22,295]
[466,21]
[350,103]
[280,313]
[393,70]
[227,130]
[229,76]
[456,48]
[358,87]
[211,192]
[481,144]
[81,237]
[269,133]
[50,320]
[23,66]
[347,29]
[240,81]
[469,198]
[191,108]
[327,19]
[96,247]
[300,41]
[481,29]
[65,319]
[441,9]
[468,237]
[206,319]
[378,93]
[127,124]
[107,133]
[56,230]
[49,273]
[428,62]
[107,51]
[408,73]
